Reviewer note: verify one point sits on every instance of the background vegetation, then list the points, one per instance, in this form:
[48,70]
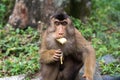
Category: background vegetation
[19,48]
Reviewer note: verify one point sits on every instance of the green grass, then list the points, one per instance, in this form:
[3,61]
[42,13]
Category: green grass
[103,30]
[19,51]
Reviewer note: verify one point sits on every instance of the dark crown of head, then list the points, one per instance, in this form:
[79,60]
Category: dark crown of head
[60,16]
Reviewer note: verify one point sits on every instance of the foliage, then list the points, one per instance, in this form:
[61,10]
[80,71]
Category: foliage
[5,10]
[18,51]
[103,30]
[112,68]
[106,20]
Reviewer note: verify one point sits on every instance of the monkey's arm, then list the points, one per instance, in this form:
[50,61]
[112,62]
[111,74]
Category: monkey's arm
[89,58]
[48,56]
[89,62]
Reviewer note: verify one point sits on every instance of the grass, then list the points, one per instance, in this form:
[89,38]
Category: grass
[19,51]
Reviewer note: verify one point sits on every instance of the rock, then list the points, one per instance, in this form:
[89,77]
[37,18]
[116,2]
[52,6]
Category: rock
[97,75]
[108,59]
[19,77]
[108,77]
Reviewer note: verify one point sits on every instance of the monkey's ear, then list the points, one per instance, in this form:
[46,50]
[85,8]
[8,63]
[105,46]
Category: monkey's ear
[51,17]
[69,21]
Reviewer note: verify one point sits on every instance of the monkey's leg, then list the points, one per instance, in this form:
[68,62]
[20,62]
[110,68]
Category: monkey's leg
[49,72]
[89,64]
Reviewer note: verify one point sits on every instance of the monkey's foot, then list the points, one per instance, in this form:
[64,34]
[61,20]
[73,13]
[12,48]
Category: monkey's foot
[87,77]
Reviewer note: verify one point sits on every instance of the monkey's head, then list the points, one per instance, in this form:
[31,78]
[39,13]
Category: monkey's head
[60,25]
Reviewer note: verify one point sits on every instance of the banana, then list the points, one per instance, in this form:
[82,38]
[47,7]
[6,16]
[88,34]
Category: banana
[62,40]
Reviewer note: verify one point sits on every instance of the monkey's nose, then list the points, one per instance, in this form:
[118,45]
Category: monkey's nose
[60,33]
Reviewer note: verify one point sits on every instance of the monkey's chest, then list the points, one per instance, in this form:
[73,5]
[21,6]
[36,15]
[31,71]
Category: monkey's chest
[69,63]
[67,48]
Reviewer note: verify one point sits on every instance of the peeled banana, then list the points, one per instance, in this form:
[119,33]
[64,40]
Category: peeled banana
[62,40]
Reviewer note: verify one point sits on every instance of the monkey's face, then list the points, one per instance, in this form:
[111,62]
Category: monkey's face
[60,28]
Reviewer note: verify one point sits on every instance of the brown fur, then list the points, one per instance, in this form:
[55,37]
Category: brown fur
[77,52]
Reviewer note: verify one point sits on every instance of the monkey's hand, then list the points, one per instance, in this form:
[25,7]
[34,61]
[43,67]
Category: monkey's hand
[87,77]
[57,55]
[50,56]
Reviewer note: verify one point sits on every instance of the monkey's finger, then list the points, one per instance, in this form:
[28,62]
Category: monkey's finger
[58,55]
[55,58]
[86,78]
[58,51]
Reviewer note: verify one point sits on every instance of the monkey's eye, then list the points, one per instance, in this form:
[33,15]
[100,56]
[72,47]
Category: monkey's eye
[64,23]
[56,23]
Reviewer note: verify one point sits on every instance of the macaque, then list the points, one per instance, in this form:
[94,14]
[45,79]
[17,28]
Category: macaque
[19,17]
[64,51]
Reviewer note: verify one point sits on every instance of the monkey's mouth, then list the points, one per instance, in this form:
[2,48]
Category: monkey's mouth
[62,40]
[60,36]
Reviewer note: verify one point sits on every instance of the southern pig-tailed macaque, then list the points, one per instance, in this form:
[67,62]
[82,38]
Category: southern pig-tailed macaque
[64,51]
